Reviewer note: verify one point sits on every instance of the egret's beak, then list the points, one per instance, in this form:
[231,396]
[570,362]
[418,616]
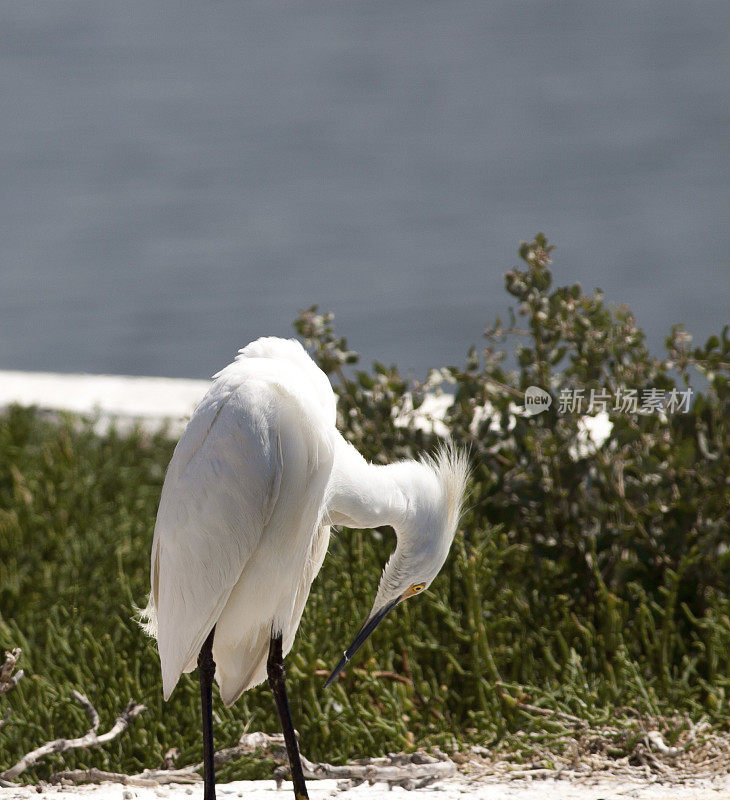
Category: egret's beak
[371,623]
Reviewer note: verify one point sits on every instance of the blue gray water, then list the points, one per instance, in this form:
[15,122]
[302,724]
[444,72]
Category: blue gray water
[179,178]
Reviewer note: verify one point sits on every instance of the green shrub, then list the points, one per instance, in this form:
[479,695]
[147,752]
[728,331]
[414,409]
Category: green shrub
[584,578]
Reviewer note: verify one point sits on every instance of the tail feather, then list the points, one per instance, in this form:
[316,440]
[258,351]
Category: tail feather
[147,617]
[243,666]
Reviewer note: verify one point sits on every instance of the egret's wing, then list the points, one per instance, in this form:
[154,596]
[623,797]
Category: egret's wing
[219,490]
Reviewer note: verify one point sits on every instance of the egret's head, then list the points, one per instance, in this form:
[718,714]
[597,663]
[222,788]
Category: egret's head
[434,491]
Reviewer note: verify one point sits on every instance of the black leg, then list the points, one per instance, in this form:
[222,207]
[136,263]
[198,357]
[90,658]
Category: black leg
[277,673]
[206,672]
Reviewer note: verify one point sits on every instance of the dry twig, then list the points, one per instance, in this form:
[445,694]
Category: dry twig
[380,674]
[90,739]
[411,770]
[9,681]
[149,777]
[631,747]
[555,713]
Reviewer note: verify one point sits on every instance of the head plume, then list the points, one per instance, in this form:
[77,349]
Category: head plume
[435,488]
[451,467]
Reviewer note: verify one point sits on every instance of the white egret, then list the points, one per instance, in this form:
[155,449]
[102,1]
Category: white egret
[255,482]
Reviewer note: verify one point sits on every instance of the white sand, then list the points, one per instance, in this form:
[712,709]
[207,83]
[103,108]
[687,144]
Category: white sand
[447,790]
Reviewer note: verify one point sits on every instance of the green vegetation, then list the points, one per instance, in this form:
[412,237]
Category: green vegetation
[591,580]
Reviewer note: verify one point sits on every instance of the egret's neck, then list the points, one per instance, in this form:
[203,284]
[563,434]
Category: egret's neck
[363,495]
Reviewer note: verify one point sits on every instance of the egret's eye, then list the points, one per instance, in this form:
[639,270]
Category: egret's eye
[414,588]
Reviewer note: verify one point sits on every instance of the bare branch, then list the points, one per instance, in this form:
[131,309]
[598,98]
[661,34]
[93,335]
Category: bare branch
[90,710]
[90,739]
[381,674]
[150,777]
[9,681]
[554,713]
[171,756]
[411,770]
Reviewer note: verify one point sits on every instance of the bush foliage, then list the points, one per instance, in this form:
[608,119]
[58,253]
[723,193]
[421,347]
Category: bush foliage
[588,575]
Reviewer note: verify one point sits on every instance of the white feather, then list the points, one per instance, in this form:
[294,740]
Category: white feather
[242,529]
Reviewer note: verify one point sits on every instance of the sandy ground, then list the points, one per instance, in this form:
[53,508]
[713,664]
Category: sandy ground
[446,790]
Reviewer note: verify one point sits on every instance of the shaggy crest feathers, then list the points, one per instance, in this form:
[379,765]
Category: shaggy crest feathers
[451,467]
[424,541]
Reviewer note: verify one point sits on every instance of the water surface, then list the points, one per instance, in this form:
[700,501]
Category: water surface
[178,179]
